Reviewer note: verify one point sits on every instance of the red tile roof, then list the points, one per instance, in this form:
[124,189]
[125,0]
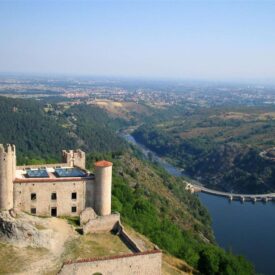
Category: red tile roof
[103,163]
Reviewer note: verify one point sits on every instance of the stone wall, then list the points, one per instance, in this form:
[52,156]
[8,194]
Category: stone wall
[107,224]
[127,239]
[90,194]
[145,263]
[44,202]
[7,174]
[102,224]
[36,166]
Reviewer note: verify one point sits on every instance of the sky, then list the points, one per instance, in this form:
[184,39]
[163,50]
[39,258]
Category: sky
[205,39]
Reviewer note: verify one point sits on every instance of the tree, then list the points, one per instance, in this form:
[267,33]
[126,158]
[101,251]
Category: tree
[208,263]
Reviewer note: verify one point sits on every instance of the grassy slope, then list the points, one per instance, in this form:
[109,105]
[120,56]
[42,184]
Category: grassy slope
[156,205]
[94,245]
[251,126]
[14,259]
[166,192]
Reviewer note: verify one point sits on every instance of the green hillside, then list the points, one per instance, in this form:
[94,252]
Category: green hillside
[219,147]
[40,135]
[158,206]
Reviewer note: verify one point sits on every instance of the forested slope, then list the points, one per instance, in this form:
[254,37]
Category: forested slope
[220,148]
[40,135]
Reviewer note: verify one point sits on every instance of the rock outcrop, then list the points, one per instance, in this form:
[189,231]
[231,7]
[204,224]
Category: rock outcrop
[24,230]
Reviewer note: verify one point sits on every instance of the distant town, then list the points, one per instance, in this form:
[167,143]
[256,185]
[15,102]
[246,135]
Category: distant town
[152,93]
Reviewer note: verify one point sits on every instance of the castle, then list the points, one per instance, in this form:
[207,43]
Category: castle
[68,189]
[63,189]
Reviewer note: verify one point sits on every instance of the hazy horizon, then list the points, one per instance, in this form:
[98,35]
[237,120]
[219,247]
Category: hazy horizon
[175,40]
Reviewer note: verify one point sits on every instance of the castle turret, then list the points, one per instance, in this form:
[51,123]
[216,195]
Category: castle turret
[103,188]
[74,158]
[7,175]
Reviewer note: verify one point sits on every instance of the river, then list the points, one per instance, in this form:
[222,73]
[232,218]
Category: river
[245,228]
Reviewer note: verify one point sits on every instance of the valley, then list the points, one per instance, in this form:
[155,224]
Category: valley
[220,148]
[150,200]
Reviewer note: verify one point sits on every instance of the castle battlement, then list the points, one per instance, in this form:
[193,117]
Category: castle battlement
[74,158]
[77,151]
[7,148]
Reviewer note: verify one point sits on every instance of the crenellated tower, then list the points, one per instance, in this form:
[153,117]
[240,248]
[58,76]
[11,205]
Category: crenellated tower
[7,175]
[74,158]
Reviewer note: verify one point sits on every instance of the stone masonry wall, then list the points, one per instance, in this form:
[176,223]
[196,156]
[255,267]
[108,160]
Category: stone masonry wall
[7,174]
[146,263]
[127,239]
[43,202]
[34,166]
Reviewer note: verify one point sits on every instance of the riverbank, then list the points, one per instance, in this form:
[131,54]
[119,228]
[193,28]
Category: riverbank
[246,229]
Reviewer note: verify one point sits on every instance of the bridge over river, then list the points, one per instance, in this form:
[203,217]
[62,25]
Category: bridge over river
[231,196]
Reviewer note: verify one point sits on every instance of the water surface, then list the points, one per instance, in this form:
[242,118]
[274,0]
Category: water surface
[245,228]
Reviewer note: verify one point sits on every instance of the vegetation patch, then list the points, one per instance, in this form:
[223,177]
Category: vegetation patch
[14,259]
[94,245]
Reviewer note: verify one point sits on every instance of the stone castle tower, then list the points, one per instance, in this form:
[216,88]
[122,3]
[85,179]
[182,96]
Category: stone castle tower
[7,175]
[103,190]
